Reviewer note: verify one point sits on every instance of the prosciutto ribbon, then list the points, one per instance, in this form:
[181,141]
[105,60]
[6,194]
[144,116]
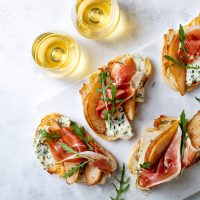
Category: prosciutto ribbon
[124,91]
[69,138]
[121,74]
[169,166]
[192,45]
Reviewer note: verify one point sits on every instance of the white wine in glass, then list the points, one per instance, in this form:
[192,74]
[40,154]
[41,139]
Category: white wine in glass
[96,19]
[58,54]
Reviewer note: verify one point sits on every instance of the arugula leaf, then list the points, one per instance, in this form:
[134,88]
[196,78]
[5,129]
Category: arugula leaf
[180,63]
[49,136]
[80,132]
[182,40]
[174,61]
[113,100]
[74,169]
[145,165]
[103,75]
[198,99]
[68,149]
[183,123]
[123,185]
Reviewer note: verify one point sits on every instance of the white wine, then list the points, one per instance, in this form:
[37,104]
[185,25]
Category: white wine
[96,18]
[56,52]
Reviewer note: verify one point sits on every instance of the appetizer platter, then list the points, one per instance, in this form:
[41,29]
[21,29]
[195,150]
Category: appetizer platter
[124,80]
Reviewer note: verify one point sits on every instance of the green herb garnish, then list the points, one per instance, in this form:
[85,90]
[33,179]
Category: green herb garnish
[80,132]
[183,123]
[180,63]
[198,99]
[49,136]
[182,40]
[123,185]
[145,165]
[77,167]
[68,149]
[74,169]
[113,100]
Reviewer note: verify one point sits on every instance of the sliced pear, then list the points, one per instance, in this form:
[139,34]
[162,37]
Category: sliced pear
[160,144]
[72,179]
[179,73]
[90,104]
[92,174]
[129,108]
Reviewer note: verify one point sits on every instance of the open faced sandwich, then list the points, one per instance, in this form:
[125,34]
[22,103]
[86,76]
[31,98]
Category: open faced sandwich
[67,150]
[162,152]
[110,97]
[181,57]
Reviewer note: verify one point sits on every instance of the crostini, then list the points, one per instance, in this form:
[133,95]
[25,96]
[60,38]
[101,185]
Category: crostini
[67,150]
[165,150]
[112,93]
[181,57]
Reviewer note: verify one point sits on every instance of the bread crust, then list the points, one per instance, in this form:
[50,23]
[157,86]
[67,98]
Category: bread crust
[90,96]
[168,39]
[193,129]
[59,169]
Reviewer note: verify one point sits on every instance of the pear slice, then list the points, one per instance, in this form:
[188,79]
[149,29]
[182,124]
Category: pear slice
[92,174]
[179,73]
[160,144]
[72,179]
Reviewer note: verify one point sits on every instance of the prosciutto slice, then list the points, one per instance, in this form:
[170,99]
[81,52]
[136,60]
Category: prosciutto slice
[72,140]
[192,45]
[98,160]
[68,137]
[124,91]
[168,168]
[121,75]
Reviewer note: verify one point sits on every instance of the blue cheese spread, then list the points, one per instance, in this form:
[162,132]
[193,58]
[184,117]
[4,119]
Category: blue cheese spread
[193,75]
[42,150]
[43,153]
[64,121]
[118,126]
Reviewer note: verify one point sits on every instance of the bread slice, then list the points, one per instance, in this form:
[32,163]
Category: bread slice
[160,124]
[90,97]
[193,129]
[169,39]
[90,175]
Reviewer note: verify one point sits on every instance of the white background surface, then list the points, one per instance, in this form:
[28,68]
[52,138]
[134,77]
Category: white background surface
[22,85]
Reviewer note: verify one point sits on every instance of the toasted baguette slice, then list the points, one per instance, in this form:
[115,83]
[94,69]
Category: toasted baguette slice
[193,129]
[170,39]
[89,175]
[160,125]
[90,96]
